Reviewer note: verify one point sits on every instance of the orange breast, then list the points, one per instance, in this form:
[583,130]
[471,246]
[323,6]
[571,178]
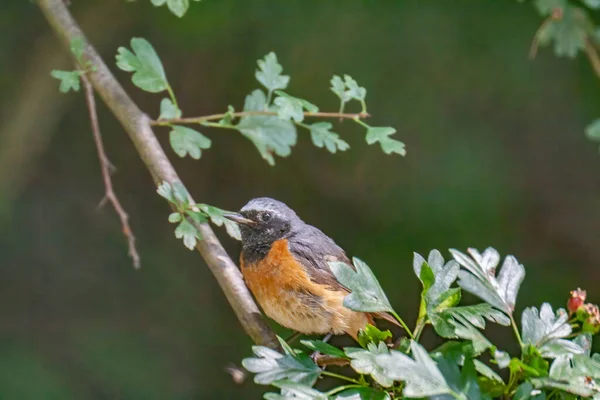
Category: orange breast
[287,295]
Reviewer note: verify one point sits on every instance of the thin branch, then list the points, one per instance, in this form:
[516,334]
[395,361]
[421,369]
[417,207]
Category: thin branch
[592,54]
[206,118]
[105,167]
[324,360]
[137,125]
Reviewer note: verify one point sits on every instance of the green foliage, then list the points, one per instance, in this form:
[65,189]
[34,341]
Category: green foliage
[69,80]
[366,293]
[177,7]
[188,215]
[186,140]
[381,135]
[322,136]
[269,74]
[168,110]
[148,71]
[554,363]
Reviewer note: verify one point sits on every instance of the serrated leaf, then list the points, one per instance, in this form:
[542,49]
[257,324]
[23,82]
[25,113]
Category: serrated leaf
[174,217]
[148,71]
[364,362]
[366,293]
[69,80]
[178,7]
[568,32]
[584,340]
[362,393]
[421,375]
[217,217]
[371,334]
[354,91]
[288,108]
[295,391]
[307,105]
[165,190]
[339,88]
[462,381]
[322,137]
[545,330]
[186,140]
[168,110]
[474,315]
[465,330]
[480,277]
[576,386]
[381,135]
[271,366]
[270,135]
[323,348]
[188,233]
[77,46]
[456,351]
[269,73]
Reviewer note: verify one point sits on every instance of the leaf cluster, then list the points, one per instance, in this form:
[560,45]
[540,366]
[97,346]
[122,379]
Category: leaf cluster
[554,360]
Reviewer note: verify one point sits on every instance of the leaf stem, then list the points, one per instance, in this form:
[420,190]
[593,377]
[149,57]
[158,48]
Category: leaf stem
[269,95]
[218,125]
[516,330]
[203,119]
[172,95]
[421,323]
[410,334]
[360,122]
[364,106]
[341,388]
[339,376]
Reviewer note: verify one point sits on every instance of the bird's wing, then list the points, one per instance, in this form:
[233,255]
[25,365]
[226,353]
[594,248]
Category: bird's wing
[314,250]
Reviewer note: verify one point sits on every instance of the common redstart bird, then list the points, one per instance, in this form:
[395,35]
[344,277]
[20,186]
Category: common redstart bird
[284,262]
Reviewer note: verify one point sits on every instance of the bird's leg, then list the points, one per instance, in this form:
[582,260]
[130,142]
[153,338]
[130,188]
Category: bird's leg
[315,353]
[294,337]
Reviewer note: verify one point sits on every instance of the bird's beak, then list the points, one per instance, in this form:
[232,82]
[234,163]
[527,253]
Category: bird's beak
[238,218]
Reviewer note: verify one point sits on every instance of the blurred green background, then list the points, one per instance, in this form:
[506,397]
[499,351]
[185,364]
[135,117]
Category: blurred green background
[496,157]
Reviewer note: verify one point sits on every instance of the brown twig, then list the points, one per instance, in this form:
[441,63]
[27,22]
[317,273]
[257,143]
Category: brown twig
[105,167]
[324,360]
[213,117]
[137,126]
[592,54]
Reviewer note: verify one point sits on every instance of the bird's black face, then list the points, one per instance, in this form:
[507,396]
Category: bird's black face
[263,221]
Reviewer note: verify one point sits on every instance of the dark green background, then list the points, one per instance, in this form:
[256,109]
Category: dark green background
[496,157]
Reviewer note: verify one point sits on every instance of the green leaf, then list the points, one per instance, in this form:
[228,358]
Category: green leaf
[228,118]
[185,140]
[592,131]
[307,105]
[366,293]
[323,348]
[568,32]
[77,47]
[293,390]
[365,362]
[593,4]
[584,340]
[339,88]
[458,352]
[421,375]
[523,391]
[486,371]
[322,137]
[381,135]
[480,277]
[168,110]
[165,190]
[444,274]
[270,135]
[182,197]
[177,7]
[270,366]
[547,330]
[462,381]
[477,314]
[354,91]
[148,71]
[269,73]
[175,217]
[465,330]
[288,108]
[547,7]
[362,393]
[69,80]
[532,357]
[502,358]
[217,217]
[188,232]
[372,334]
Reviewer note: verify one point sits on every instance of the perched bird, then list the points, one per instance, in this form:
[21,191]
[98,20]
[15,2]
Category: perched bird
[284,262]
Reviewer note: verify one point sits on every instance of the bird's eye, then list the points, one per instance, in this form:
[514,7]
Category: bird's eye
[266,216]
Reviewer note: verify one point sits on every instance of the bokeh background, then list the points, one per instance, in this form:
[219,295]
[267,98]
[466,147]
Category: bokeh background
[496,157]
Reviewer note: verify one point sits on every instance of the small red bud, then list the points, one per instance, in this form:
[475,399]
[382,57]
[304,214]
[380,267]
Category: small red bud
[576,300]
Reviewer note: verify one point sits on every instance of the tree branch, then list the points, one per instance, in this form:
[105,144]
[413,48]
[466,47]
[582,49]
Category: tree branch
[206,118]
[105,167]
[593,56]
[137,126]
